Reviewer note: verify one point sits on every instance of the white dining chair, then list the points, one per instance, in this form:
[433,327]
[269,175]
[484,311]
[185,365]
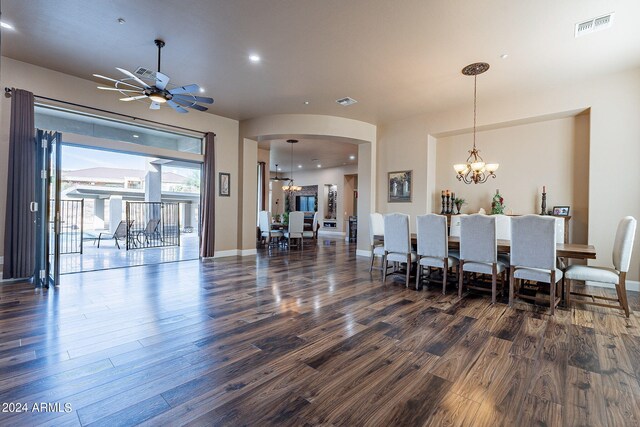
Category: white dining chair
[376,228]
[397,244]
[266,233]
[622,248]
[479,252]
[533,257]
[295,228]
[313,233]
[433,247]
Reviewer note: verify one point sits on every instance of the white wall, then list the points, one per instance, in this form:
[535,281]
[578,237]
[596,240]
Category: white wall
[614,147]
[56,85]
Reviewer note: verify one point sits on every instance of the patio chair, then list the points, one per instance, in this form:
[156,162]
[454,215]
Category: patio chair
[119,234]
[151,231]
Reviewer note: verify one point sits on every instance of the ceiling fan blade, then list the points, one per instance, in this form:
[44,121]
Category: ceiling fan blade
[119,90]
[116,81]
[133,76]
[190,104]
[204,99]
[161,80]
[154,106]
[133,98]
[176,107]
[184,89]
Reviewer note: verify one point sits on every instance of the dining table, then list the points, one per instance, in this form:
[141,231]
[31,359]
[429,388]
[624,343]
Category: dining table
[563,250]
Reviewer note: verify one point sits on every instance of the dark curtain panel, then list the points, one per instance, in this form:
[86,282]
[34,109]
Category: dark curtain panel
[262,188]
[208,198]
[19,226]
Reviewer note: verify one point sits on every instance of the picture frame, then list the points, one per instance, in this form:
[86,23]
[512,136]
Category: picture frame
[399,186]
[224,184]
[561,210]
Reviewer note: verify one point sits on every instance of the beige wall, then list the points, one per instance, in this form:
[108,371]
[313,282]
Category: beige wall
[56,85]
[559,146]
[614,142]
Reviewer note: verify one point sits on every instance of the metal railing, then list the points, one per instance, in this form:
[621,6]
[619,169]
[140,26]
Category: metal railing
[71,226]
[153,225]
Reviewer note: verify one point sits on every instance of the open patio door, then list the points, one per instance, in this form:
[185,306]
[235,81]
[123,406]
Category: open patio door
[47,208]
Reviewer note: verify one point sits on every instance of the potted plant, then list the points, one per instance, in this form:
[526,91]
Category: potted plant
[458,201]
[497,204]
[285,219]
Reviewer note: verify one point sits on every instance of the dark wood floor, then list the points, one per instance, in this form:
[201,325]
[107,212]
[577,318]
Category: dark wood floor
[305,339]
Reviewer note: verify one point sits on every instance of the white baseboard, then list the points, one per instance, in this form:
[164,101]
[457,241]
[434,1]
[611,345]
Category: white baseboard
[234,252]
[248,252]
[363,252]
[331,233]
[632,285]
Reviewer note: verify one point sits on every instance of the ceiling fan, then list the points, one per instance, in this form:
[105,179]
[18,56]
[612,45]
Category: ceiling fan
[278,178]
[145,83]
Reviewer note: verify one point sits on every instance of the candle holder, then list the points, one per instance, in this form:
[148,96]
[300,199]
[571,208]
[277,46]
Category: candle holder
[442,212]
[448,211]
[543,207]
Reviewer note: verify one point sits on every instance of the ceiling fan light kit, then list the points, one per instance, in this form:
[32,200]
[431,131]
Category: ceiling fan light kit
[155,87]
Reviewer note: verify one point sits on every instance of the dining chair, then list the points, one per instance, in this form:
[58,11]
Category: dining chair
[503,232]
[622,248]
[266,233]
[313,233]
[397,244]
[295,228]
[376,228]
[433,247]
[533,257]
[479,252]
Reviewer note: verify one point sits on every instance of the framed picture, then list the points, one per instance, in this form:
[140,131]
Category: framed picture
[224,184]
[399,186]
[561,210]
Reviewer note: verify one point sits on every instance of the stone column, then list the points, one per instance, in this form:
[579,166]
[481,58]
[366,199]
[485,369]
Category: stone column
[115,212]
[98,214]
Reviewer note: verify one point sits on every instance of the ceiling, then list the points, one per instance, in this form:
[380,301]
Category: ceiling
[308,154]
[397,59]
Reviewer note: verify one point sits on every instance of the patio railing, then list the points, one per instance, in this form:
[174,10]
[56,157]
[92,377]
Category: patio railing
[71,230]
[153,225]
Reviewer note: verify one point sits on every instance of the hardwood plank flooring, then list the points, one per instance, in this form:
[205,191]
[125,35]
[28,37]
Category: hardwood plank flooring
[305,338]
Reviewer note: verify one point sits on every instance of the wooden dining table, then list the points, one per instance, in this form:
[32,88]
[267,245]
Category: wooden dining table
[563,250]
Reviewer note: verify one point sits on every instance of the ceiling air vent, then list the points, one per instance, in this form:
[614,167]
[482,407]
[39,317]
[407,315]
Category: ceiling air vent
[346,101]
[593,25]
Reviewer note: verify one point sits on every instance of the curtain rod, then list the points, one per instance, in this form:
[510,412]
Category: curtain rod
[8,90]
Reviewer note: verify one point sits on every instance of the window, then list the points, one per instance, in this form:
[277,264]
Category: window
[306,203]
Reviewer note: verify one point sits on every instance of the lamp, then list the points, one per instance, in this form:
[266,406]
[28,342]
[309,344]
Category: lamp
[475,170]
[290,186]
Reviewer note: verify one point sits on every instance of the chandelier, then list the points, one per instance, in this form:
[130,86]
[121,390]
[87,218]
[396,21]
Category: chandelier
[475,170]
[290,186]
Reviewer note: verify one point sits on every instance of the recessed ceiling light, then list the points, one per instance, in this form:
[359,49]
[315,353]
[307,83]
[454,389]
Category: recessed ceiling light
[279,169]
[254,58]
[352,157]
[136,136]
[306,102]
[201,90]
[346,101]
[299,166]
[121,21]
[319,165]
[7,26]
[504,56]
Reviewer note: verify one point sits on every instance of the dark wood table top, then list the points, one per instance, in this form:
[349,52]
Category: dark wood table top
[563,250]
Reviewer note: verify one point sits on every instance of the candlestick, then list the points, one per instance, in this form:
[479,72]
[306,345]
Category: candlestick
[442,212]
[543,207]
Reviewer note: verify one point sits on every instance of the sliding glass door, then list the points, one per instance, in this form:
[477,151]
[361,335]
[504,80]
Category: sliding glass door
[47,208]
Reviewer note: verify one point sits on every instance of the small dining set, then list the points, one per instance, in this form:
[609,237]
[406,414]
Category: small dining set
[519,252]
[294,232]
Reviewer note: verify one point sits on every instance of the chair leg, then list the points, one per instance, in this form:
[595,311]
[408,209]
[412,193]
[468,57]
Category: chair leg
[99,236]
[444,277]
[408,271]
[373,257]
[552,292]
[511,271]
[418,275]
[384,269]
[623,292]
[460,278]
[117,244]
[494,282]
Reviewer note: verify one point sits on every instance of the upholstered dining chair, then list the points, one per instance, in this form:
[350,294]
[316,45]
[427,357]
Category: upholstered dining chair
[313,233]
[533,257]
[376,228]
[479,252]
[296,227]
[397,244]
[433,247]
[266,233]
[622,248]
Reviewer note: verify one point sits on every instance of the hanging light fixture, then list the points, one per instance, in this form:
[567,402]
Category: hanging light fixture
[475,170]
[290,186]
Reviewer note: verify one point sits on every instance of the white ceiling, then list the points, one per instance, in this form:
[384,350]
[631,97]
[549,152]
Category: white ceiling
[309,153]
[397,58]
